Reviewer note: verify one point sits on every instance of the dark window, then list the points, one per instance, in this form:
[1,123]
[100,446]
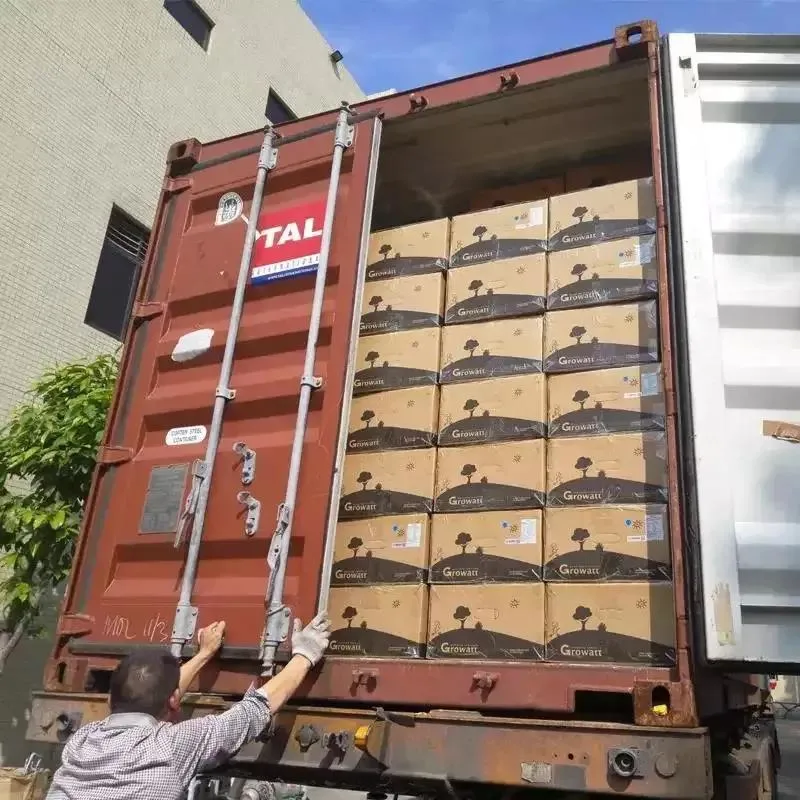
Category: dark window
[277,111]
[192,19]
[117,275]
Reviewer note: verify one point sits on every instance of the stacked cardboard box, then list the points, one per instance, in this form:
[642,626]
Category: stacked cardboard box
[606,560]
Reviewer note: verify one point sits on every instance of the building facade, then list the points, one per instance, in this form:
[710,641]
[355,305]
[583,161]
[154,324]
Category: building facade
[92,95]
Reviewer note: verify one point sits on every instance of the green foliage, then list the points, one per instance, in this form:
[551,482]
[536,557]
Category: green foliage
[47,456]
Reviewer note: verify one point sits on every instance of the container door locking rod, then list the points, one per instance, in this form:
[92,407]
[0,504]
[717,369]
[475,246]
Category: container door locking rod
[186,614]
[276,628]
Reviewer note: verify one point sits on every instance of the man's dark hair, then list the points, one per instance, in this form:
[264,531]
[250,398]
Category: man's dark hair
[143,682]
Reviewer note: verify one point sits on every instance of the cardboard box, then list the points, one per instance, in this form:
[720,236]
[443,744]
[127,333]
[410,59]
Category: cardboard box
[490,621]
[622,400]
[378,621]
[609,272]
[616,623]
[487,547]
[607,543]
[500,410]
[397,361]
[514,287]
[491,349]
[624,468]
[498,233]
[402,304]
[589,216]
[604,336]
[539,189]
[419,249]
[387,484]
[401,420]
[588,176]
[381,550]
[490,477]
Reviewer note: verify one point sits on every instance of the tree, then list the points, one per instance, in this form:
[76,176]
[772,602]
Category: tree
[348,614]
[367,417]
[470,407]
[580,535]
[468,470]
[49,446]
[462,540]
[385,249]
[380,423]
[580,397]
[601,473]
[478,626]
[602,627]
[480,232]
[375,301]
[599,547]
[484,479]
[378,487]
[577,333]
[471,345]
[582,465]
[598,405]
[595,276]
[371,358]
[595,340]
[462,614]
[364,478]
[582,614]
[478,551]
[490,292]
[578,270]
[475,286]
[355,544]
[485,412]
[580,212]
[363,625]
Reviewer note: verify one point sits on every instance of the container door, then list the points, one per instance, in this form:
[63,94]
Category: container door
[732,106]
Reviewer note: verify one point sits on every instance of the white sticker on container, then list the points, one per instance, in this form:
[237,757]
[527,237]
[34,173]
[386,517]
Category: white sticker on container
[535,216]
[651,383]
[229,208]
[632,395]
[527,531]
[414,534]
[643,252]
[654,528]
[192,344]
[192,434]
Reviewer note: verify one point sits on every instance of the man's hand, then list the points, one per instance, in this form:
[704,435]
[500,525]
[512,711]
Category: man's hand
[209,639]
[311,642]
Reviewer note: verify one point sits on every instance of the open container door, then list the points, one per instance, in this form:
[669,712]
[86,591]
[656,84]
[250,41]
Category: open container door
[732,108]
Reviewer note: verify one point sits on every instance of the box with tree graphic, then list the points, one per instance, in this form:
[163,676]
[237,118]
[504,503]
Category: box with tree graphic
[379,621]
[595,470]
[388,483]
[601,214]
[608,272]
[402,304]
[611,623]
[539,189]
[486,547]
[622,400]
[493,621]
[403,420]
[496,349]
[600,337]
[397,361]
[490,477]
[381,550]
[499,410]
[408,251]
[607,543]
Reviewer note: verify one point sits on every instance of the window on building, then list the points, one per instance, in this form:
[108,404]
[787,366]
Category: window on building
[192,18]
[277,111]
[117,275]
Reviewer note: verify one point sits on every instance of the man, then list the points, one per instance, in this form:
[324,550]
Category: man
[138,753]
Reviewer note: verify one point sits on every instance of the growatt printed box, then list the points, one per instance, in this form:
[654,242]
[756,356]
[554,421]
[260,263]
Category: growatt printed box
[381,550]
[397,361]
[490,477]
[622,400]
[609,272]
[495,349]
[607,543]
[624,468]
[538,189]
[590,216]
[617,623]
[499,410]
[387,484]
[402,304]
[486,547]
[403,420]
[378,621]
[411,250]
[601,337]
[487,621]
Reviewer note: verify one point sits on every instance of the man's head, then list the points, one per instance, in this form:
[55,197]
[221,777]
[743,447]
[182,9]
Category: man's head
[146,682]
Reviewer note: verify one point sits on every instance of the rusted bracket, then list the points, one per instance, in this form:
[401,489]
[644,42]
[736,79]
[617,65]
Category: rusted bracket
[418,102]
[629,39]
[149,310]
[182,157]
[485,680]
[75,625]
[365,677]
[509,80]
[109,454]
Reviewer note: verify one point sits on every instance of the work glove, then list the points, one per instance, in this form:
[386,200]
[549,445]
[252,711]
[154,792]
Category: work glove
[311,642]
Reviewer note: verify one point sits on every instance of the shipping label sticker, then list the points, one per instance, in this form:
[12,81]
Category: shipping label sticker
[414,534]
[535,216]
[632,395]
[229,208]
[654,528]
[527,533]
[651,384]
[192,434]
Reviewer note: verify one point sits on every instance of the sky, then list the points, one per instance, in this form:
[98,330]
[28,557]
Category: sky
[401,44]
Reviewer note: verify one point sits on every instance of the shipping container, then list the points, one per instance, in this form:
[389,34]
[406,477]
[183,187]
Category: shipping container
[198,459]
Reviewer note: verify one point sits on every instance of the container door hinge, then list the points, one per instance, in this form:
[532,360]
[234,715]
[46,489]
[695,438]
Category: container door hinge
[110,454]
[199,472]
[143,311]
[248,457]
[253,507]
